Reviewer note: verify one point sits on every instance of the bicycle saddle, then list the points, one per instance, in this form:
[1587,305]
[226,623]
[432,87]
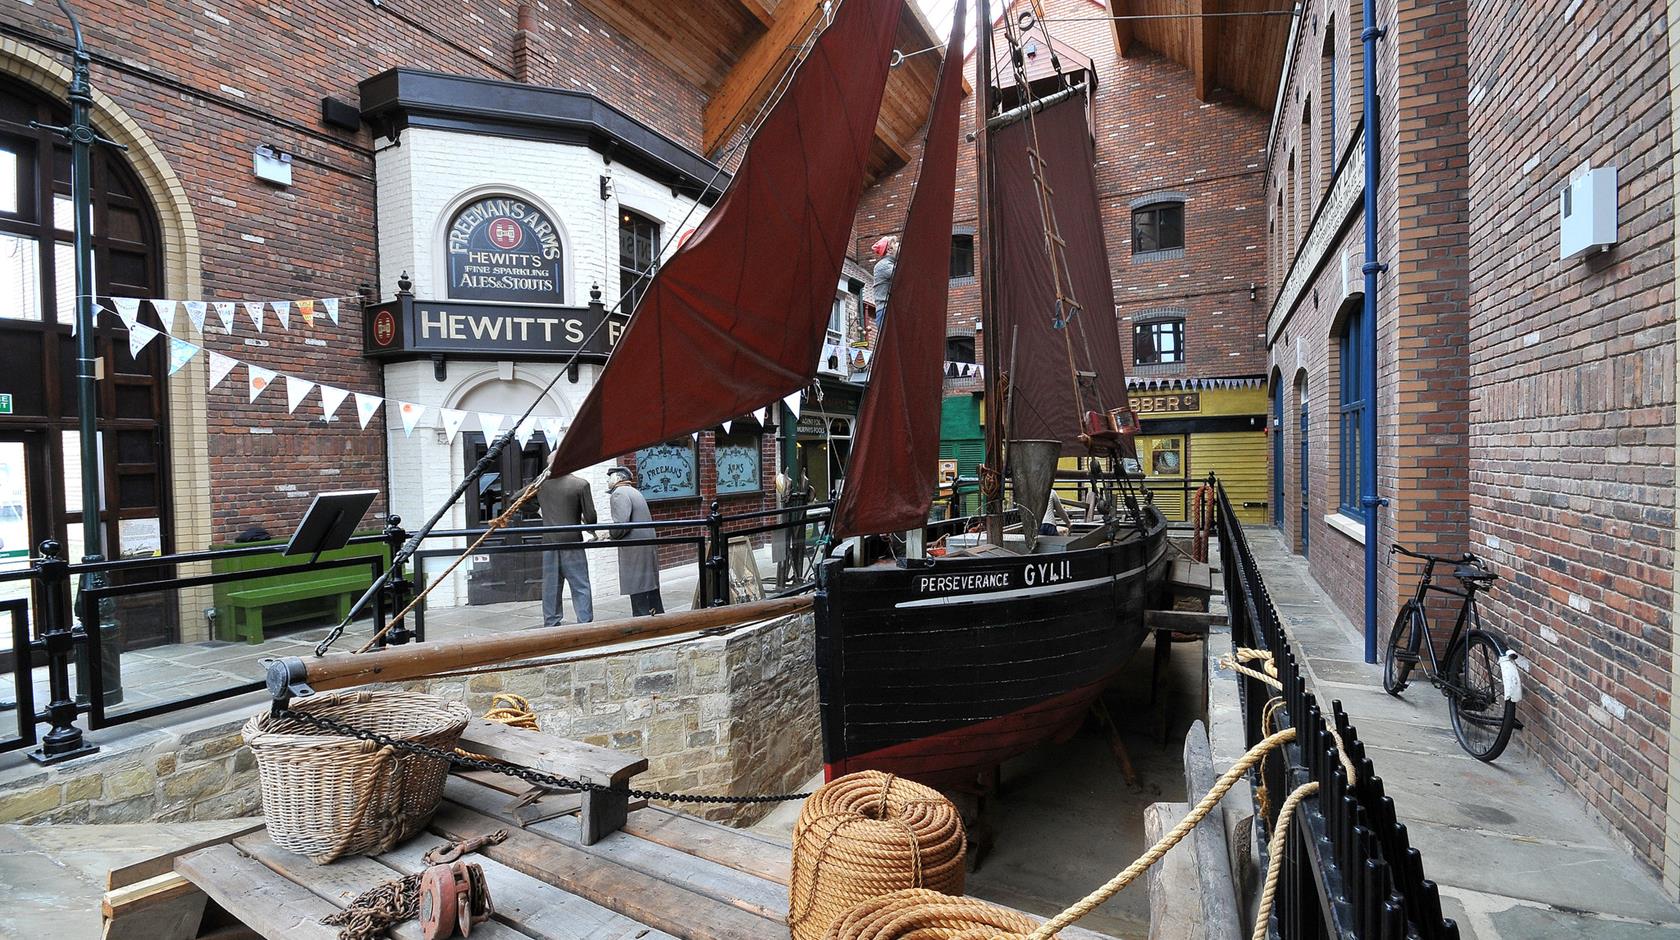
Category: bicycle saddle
[1473,573]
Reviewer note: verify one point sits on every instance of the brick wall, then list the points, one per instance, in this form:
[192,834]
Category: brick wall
[210,82]
[1152,135]
[1571,454]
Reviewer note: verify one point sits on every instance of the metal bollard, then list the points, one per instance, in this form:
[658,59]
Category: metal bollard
[64,742]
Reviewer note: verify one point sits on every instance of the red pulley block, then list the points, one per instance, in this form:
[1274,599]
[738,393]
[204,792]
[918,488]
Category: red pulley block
[453,897]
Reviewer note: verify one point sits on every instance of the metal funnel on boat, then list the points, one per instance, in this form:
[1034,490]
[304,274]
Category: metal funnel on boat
[1032,471]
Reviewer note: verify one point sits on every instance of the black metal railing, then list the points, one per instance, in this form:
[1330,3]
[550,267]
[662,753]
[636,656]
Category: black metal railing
[1350,871]
[48,629]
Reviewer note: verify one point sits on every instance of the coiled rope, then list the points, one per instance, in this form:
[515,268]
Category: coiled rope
[1234,662]
[865,835]
[909,915]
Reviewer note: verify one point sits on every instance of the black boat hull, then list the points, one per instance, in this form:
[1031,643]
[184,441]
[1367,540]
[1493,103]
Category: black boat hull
[941,672]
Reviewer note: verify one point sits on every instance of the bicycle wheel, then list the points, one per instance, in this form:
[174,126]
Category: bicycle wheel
[1404,644]
[1483,716]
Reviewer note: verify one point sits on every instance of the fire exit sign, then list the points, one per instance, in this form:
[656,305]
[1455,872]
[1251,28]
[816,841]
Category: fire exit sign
[5,403]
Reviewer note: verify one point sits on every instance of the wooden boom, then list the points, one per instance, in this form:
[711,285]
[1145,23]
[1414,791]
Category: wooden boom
[294,675]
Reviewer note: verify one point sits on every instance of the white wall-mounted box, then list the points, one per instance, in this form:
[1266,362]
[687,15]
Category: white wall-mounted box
[1587,211]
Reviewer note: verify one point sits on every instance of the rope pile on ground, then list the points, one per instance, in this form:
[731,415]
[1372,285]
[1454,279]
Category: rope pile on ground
[865,835]
[920,914]
[929,916]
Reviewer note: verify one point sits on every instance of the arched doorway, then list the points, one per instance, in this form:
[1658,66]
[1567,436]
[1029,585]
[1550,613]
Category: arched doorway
[39,452]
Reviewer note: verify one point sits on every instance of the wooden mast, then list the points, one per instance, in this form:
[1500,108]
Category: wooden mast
[397,663]
[990,334]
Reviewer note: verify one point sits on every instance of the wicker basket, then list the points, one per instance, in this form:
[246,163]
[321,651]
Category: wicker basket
[327,796]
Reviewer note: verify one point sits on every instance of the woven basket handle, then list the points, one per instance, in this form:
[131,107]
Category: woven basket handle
[384,758]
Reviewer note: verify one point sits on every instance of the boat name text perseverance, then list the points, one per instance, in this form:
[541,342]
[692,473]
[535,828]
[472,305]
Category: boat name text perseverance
[1048,572]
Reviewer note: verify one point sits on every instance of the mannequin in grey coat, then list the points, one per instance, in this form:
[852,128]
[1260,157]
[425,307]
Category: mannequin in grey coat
[638,566]
[566,501]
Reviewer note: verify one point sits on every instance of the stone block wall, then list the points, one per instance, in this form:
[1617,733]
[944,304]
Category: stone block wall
[732,714]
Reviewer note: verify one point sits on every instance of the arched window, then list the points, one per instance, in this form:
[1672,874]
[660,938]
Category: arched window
[37,281]
[1352,366]
[638,253]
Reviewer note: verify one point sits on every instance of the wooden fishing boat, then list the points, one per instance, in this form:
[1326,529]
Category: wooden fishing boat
[939,668]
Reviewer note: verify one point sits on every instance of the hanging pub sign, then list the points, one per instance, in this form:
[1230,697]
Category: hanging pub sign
[506,249]
[407,327]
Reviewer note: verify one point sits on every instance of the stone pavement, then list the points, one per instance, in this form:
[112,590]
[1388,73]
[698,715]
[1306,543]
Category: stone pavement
[1517,854]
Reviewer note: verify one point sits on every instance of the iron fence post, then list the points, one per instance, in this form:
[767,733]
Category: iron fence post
[398,590]
[717,563]
[64,741]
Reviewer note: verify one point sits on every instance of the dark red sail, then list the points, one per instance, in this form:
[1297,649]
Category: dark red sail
[890,478]
[736,318]
[1030,346]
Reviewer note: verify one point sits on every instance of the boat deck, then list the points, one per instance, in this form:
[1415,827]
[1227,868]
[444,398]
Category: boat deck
[665,874]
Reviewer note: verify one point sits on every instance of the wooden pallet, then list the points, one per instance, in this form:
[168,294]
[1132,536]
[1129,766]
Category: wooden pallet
[662,875]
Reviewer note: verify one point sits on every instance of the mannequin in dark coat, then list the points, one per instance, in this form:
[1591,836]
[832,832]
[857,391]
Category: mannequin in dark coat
[638,566]
[566,501]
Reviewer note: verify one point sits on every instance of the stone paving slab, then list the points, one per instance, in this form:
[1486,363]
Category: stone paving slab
[1517,854]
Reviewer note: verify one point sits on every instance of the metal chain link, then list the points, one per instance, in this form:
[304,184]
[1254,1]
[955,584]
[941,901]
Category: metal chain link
[528,774]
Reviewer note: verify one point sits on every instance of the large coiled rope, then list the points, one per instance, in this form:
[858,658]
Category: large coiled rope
[913,915]
[865,835]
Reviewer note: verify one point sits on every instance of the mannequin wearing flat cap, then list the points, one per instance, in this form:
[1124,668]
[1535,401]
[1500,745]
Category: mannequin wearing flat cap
[638,565]
[887,250]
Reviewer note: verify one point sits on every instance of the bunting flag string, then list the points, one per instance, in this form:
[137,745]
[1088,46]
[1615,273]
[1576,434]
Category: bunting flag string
[128,310]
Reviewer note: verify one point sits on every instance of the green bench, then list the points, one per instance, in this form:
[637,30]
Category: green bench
[248,607]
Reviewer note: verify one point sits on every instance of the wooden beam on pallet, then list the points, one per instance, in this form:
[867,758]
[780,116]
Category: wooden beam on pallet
[163,907]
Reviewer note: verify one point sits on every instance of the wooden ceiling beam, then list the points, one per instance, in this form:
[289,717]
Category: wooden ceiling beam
[1122,27]
[750,79]
[1203,47]
[759,10]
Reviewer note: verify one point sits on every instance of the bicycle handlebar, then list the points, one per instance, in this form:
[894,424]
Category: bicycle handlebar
[1466,558]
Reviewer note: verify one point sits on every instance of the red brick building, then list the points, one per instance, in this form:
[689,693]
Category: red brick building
[383,119]
[1178,158]
[1525,402]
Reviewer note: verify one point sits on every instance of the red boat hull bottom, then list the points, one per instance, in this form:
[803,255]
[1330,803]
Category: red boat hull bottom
[956,758]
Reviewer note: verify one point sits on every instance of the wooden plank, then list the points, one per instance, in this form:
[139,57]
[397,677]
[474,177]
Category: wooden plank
[1217,887]
[736,848]
[268,904]
[340,882]
[748,82]
[536,908]
[164,862]
[547,752]
[1183,621]
[1175,913]
[653,901]
[1187,575]
[718,882]
[165,907]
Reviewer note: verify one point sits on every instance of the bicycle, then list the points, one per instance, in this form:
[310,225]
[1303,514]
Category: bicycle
[1481,680]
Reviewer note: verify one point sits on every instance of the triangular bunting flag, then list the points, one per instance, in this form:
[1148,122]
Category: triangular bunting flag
[166,313]
[258,378]
[526,430]
[410,415]
[331,398]
[452,421]
[282,312]
[792,401]
[727,425]
[180,353]
[224,312]
[762,416]
[138,336]
[195,313]
[220,366]
[128,310]
[296,391]
[307,309]
[551,431]
[331,306]
[366,405]
[254,309]
[491,424]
